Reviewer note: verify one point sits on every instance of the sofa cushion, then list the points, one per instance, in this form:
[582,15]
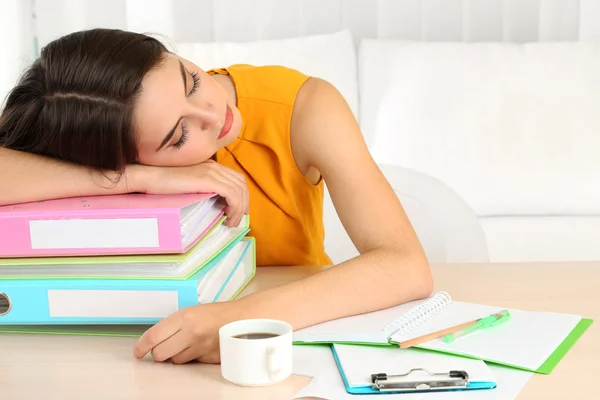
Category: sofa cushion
[328,56]
[513,128]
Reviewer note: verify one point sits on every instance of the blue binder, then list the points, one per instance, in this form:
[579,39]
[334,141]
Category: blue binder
[391,370]
[125,301]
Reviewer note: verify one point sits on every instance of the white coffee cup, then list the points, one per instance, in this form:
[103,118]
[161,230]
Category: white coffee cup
[256,361]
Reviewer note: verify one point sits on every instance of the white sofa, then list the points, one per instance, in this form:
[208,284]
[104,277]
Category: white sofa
[513,130]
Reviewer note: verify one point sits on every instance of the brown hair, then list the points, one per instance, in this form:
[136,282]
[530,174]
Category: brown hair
[76,101]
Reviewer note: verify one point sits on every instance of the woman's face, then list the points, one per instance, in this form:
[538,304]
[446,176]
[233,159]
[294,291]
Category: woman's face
[183,115]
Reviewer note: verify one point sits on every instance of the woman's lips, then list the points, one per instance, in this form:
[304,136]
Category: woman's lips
[228,122]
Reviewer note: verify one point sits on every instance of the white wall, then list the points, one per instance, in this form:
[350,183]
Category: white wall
[16,42]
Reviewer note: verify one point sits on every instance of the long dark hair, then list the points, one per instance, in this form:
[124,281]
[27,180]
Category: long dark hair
[76,101]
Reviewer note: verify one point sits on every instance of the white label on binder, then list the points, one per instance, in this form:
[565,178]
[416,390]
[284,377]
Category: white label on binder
[94,233]
[112,303]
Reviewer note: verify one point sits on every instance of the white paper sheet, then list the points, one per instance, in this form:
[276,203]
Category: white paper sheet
[310,360]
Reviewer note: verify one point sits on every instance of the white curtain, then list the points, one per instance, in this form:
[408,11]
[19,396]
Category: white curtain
[17,42]
[27,25]
[243,20]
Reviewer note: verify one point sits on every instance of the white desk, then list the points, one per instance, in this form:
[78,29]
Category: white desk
[69,367]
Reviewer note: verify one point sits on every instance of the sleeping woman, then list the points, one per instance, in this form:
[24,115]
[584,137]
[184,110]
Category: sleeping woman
[108,112]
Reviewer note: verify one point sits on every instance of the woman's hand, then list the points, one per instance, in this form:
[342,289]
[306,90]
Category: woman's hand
[206,177]
[190,334]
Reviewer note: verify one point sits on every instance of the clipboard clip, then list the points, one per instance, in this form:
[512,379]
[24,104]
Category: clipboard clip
[420,379]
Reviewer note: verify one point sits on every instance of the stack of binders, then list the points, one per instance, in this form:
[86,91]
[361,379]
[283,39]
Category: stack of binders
[117,260]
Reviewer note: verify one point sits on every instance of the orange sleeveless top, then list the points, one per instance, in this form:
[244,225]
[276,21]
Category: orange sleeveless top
[286,210]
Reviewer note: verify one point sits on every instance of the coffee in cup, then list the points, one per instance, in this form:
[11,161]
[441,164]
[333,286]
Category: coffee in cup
[255,335]
[256,352]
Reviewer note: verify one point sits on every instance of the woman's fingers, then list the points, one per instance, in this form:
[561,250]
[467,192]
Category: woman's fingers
[211,358]
[238,197]
[241,180]
[185,356]
[171,347]
[231,191]
[156,335]
[208,176]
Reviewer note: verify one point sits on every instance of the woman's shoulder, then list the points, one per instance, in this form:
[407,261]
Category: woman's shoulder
[272,83]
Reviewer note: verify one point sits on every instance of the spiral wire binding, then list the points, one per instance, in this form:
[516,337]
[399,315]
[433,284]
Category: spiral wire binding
[419,314]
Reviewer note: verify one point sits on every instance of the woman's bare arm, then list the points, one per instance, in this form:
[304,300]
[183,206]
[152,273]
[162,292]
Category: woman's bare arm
[26,177]
[392,267]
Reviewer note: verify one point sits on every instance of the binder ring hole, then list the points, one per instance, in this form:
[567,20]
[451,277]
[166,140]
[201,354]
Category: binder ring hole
[5,304]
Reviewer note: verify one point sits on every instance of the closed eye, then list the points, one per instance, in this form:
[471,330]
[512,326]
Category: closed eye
[183,138]
[196,80]
[196,83]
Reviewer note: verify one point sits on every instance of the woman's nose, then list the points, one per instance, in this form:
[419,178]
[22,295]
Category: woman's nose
[207,115]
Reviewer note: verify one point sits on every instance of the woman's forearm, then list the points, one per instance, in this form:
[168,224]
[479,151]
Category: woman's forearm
[26,177]
[378,279]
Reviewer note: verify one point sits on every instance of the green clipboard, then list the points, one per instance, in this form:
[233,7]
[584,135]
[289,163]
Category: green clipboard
[551,362]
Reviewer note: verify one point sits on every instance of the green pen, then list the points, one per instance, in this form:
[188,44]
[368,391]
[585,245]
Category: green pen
[482,323]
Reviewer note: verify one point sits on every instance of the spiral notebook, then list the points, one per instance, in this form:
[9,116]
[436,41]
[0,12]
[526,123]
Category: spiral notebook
[397,324]
[532,341]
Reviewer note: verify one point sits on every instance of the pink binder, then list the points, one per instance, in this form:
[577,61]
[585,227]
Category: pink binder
[108,225]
